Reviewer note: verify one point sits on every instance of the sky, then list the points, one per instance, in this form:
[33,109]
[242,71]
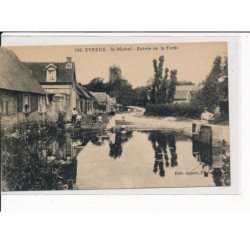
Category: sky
[193,61]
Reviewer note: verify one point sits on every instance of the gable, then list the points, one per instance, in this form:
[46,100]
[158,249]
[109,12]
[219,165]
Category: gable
[38,70]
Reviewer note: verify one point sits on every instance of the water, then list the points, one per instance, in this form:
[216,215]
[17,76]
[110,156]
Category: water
[143,159]
[87,159]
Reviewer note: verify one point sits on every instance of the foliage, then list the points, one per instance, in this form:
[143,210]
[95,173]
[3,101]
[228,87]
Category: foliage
[163,89]
[176,110]
[61,120]
[97,85]
[23,166]
[159,83]
[140,96]
[172,87]
[215,90]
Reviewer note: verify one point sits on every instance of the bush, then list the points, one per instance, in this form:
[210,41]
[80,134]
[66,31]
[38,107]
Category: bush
[61,120]
[23,164]
[176,110]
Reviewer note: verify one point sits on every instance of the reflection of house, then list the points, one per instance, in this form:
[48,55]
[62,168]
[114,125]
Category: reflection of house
[183,93]
[59,81]
[105,102]
[20,95]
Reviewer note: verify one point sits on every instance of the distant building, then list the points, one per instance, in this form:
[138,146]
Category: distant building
[21,96]
[183,93]
[105,102]
[59,81]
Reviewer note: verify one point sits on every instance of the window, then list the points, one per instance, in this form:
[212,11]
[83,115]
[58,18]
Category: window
[41,104]
[51,73]
[88,106]
[26,102]
[5,107]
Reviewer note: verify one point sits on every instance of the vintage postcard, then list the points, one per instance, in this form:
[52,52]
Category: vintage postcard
[115,116]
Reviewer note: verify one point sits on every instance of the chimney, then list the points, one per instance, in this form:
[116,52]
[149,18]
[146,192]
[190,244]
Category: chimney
[69,59]
[69,62]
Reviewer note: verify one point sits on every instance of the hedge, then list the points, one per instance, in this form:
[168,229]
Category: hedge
[176,110]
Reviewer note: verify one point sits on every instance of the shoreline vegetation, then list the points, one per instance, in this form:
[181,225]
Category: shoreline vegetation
[157,96]
[26,150]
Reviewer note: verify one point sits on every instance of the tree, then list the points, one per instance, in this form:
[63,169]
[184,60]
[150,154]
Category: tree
[97,85]
[159,84]
[215,90]
[162,89]
[172,87]
[210,91]
[119,87]
[140,96]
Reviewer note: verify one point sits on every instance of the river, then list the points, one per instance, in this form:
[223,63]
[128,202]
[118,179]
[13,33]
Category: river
[143,153]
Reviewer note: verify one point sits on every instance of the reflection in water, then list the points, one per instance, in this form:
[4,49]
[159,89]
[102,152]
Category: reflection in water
[214,160]
[113,159]
[116,140]
[160,141]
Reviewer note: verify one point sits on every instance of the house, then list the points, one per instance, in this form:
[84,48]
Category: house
[59,81]
[183,93]
[87,102]
[182,96]
[106,103]
[101,98]
[21,97]
[111,104]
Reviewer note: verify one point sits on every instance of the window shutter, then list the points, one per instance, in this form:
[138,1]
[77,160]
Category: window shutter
[19,102]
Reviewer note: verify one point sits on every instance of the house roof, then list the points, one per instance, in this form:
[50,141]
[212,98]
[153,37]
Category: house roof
[63,73]
[84,92]
[14,75]
[181,94]
[89,93]
[100,96]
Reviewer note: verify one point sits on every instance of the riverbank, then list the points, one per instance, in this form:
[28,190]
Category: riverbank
[137,121]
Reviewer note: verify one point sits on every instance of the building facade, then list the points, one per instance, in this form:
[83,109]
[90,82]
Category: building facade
[183,93]
[58,79]
[105,103]
[87,103]
[21,97]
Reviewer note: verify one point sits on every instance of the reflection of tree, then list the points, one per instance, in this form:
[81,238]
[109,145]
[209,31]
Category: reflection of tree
[116,147]
[217,174]
[215,159]
[160,141]
[172,147]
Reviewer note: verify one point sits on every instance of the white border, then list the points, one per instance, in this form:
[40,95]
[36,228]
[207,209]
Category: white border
[22,39]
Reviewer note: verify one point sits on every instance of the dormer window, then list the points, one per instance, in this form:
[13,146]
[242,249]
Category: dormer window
[51,73]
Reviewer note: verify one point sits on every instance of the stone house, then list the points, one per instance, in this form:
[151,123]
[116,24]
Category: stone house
[58,79]
[183,93]
[105,102]
[21,97]
[87,103]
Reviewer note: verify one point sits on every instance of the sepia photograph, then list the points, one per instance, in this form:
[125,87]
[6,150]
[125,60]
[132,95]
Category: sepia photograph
[114,116]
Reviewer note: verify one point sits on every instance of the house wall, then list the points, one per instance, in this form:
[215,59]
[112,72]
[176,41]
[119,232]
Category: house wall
[11,98]
[87,106]
[63,104]
[14,110]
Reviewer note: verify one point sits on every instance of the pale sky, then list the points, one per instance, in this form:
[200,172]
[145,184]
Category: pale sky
[193,61]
